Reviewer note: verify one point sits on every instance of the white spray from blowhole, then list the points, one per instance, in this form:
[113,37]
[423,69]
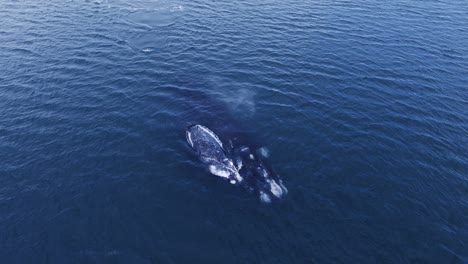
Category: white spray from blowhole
[241,102]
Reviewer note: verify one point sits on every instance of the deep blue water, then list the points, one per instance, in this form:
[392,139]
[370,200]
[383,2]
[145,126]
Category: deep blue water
[363,106]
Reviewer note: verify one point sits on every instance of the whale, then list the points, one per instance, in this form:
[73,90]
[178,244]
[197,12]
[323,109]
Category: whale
[236,161]
[211,152]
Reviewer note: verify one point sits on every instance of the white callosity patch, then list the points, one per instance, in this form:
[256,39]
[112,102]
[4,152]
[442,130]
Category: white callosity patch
[226,171]
[251,156]
[275,189]
[265,197]
[189,138]
[219,171]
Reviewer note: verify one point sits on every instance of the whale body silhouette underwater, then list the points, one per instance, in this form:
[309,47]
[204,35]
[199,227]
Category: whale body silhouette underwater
[240,164]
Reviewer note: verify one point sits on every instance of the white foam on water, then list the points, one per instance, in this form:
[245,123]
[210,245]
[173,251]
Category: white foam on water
[147,50]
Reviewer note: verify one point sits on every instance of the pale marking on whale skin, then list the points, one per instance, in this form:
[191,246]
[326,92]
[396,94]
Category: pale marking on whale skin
[224,172]
[264,152]
[285,190]
[239,164]
[189,137]
[238,177]
[206,159]
[219,172]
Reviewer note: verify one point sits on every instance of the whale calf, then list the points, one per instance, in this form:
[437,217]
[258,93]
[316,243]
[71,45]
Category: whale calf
[240,164]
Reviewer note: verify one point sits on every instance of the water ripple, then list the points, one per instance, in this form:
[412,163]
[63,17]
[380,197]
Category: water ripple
[362,105]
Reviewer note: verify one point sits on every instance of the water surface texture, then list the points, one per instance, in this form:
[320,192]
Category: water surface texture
[362,106]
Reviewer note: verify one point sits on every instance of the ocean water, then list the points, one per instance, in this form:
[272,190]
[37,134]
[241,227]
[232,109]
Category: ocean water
[362,106]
